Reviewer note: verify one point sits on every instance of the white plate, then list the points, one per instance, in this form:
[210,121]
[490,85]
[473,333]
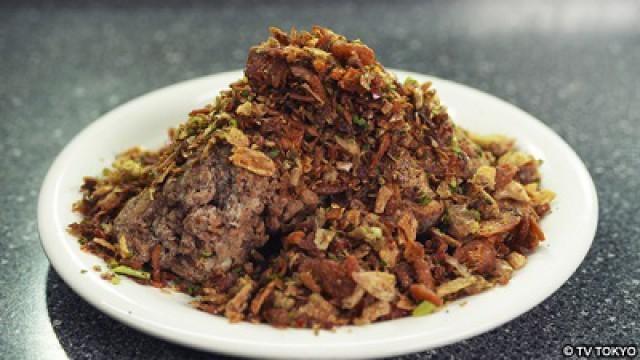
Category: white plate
[570,229]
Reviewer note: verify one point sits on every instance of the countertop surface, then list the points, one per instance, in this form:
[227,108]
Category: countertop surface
[574,65]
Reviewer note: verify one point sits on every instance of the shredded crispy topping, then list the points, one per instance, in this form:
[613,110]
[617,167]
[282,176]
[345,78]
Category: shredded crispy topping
[318,191]
[255,161]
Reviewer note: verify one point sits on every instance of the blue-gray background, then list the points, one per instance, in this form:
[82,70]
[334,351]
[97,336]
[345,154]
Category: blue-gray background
[575,65]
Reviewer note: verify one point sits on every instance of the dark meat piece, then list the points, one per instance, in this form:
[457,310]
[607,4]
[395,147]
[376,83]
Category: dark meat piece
[334,278]
[528,173]
[428,215]
[206,220]
[504,174]
[528,235]
[479,256]
[265,67]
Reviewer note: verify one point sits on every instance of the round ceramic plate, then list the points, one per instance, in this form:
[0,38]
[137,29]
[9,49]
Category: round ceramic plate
[570,229]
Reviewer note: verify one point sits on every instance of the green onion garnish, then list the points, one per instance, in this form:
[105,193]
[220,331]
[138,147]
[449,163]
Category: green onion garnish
[411,81]
[424,199]
[360,122]
[425,308]
[125,270]
[273,153]
[115,280]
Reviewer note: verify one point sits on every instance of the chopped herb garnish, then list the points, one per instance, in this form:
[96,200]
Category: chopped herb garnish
[206,253]
[437,110]
[453,186]
[360,122]
[456,149]
[425,308]
[273,153]
[115,280]
[125,270]
[424,199]
[245,93]
[233,122]
[83,271]
[445,219]
[411,81]
[475,214]
[455,146]
[366,233]
[197,119]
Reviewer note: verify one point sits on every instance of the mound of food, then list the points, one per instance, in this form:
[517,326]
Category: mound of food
[318,191]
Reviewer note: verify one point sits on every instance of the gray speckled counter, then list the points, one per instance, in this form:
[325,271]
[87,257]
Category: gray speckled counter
[575,66]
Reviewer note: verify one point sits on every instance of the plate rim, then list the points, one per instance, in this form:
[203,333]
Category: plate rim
[46,203]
